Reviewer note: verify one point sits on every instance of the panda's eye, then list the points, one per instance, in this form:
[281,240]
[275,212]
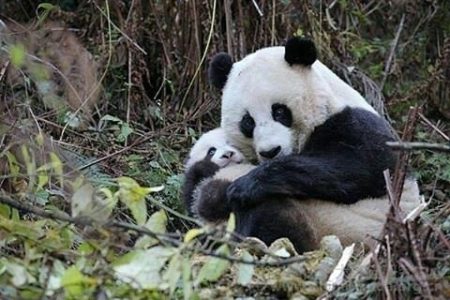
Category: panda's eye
[282,114]
[247,125]
[211,151]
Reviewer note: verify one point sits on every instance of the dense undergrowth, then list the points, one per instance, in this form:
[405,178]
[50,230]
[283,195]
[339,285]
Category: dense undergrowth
[74,223]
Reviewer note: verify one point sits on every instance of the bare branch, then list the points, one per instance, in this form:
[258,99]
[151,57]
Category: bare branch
[419,146]
[394,44]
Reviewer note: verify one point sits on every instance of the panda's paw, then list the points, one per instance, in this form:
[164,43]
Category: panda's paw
[242,193]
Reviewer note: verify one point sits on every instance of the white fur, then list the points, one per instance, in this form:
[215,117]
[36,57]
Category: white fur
[265,78]
[356,222]
[215,138]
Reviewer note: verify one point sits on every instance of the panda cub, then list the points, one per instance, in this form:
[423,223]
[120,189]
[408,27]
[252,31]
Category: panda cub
[209,154]
[212,165]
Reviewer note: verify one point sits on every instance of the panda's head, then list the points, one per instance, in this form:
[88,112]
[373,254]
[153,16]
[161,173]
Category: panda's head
[213,146]
[273,98]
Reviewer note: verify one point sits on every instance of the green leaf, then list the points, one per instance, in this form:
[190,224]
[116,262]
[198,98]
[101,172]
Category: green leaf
[192,234]
[5,211]
[138,210]
[231,224]
[125,131]
[43,10]
[17,55]
[214,267]
[173,272]
[245,271]
[75,283]
[41,196]
[97,205]
[19,274]
[13,165]
[133,196]
[111,118]
[57,167]
[46,6]
[187,281]
[141,268]
[156,223]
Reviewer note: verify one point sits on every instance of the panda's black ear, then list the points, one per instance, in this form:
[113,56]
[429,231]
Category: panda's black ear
[219,68]
[300,51]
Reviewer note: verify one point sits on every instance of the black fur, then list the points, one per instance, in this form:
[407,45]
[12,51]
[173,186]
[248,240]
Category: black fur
[247,125]
[193,176]
[300,51]
[275,219]
[343,161]
[282,114]
[219,68]
[213,205]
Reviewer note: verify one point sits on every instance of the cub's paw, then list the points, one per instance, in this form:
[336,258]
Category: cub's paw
[211,201]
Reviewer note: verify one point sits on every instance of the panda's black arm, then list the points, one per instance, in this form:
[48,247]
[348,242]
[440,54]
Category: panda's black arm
[336,179]
[193,176]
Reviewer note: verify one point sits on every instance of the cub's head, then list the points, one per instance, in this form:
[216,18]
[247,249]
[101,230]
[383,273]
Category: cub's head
[273,98]
[214,146]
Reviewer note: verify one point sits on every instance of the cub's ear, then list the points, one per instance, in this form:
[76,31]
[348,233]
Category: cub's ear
[300,51]
[219,68]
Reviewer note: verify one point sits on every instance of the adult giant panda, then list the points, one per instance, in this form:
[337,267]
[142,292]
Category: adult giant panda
[315,136]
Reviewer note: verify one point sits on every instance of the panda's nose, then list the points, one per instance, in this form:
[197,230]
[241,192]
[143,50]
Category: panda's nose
[228,154]
[270,153]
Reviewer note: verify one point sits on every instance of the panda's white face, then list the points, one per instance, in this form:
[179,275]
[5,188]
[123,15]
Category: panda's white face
[213,145]
[269,108]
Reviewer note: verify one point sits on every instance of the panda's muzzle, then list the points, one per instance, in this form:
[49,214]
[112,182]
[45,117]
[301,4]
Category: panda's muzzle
[270,153]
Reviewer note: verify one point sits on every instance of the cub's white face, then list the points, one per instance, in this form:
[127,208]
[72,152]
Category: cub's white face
[269,108]
[213,145]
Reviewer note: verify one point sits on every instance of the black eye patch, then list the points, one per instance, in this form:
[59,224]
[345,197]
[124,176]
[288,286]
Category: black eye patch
[211,151]
[282,114]
[247,125]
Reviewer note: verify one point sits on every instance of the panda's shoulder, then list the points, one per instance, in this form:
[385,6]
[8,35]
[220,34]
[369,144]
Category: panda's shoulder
[352,126]
[355,120]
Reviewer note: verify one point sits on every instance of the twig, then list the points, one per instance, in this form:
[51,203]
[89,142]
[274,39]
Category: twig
[257,8]
[390,193]
[202,60]
[108,18]
[3,70]
[380,274]
[421,277]
[434,127]
[392,52]
[402,162]
[229,26]
[409,268]
[418,146]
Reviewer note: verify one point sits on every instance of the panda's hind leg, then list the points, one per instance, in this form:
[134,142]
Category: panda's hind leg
[276,219]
